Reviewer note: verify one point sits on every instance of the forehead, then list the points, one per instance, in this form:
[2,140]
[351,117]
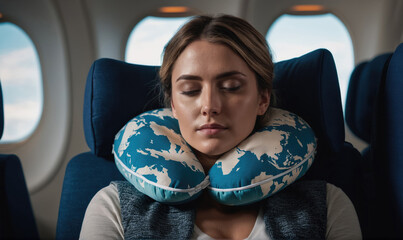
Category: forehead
[203,57]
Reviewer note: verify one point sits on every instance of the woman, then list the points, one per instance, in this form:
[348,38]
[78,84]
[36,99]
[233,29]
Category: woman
[217,77]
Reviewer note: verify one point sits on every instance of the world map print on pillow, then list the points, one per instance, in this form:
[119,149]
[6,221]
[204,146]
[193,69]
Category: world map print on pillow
[151,154]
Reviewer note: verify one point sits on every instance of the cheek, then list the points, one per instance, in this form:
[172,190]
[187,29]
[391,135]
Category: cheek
[183,113]
[245,106]
[243,114]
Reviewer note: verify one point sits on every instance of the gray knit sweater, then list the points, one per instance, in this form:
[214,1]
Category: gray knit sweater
[297,212]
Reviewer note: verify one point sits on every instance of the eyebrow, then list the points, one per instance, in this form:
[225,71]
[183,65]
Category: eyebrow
[219,76]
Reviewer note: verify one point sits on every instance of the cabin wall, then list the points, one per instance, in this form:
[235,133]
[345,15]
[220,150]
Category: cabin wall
[112,21]
[70,35]
[374,26]
[43,153]
[373,29]
[80,55]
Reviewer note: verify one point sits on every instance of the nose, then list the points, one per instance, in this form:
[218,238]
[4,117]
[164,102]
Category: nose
[211,102]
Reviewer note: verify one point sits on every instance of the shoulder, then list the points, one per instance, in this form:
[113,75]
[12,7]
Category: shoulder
[109,192]
[107,197]
[337,200]
[102,217]
[335,194]
[342,220]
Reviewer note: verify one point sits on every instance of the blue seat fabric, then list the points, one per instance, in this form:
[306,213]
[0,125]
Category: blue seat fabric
[361,95]
[351,99]
[117,91]
[386,153]
[308,86]
[16,216]
[78,189]
[360,113]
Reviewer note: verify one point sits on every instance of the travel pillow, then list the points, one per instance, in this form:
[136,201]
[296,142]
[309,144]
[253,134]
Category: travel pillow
[152,155]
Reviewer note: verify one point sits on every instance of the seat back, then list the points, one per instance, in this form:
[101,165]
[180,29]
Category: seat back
[360,113]
[361,95]
[16,216]
[118,91]
[386,152]
[308,86]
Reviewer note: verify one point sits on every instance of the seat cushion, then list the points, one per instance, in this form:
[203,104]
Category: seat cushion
[16,215]
[85,175]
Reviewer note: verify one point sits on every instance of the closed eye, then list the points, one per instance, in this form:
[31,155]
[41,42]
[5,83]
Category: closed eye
[231,89]
[190,92]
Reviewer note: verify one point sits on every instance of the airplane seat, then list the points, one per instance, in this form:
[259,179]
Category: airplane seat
[361,95]
[308,86]
[117,91]
[359,113]
[353,92]
[16,215]
[387,152]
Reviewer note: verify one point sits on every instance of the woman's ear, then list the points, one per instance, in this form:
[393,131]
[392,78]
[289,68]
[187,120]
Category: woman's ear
[173,109]
[264,102]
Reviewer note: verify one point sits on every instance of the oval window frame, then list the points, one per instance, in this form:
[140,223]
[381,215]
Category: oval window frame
[168,12]
[343,78]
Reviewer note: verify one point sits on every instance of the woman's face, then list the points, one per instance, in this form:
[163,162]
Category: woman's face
[215,98]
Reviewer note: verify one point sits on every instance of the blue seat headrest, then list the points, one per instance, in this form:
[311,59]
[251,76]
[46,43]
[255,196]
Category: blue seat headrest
[361,96]
[386,150]
[115,92]
[308,86]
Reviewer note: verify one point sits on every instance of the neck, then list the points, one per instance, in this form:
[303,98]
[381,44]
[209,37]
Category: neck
[225,222]
[207,161]
[206,202]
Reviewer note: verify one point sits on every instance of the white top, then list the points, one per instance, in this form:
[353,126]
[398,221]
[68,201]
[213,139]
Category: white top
[102,219]
[258,231]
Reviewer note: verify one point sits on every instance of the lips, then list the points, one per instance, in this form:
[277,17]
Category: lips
[211,129]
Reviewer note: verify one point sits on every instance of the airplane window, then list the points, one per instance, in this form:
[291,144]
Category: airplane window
[294,35]
[21,81]
[148,38]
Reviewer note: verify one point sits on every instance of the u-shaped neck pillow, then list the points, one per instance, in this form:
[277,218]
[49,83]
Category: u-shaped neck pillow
[151,154]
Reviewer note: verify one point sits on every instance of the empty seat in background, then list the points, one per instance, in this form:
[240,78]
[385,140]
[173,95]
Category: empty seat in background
[361,102]
[361,96]
[386,152]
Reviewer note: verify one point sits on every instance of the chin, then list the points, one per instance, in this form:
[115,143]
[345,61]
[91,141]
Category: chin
[212,148]
[213,153]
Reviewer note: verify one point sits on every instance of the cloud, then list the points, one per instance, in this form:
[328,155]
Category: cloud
[20,67]
[147,41]
[20,78]
[20,119]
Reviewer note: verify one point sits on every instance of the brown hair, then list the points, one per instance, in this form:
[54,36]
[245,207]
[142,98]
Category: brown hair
[235,33]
